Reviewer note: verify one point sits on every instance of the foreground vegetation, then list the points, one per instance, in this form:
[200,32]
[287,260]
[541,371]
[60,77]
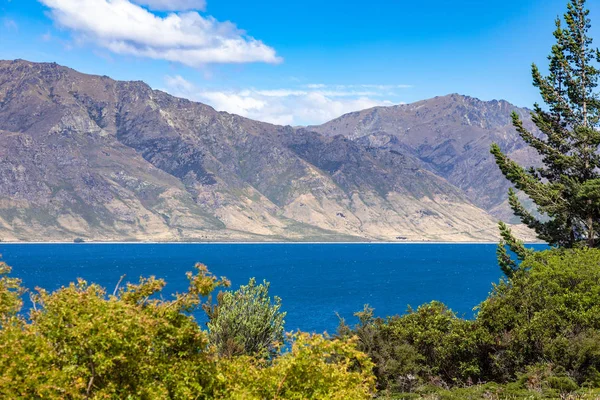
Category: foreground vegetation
[537,335]
[492,391]
[80,342]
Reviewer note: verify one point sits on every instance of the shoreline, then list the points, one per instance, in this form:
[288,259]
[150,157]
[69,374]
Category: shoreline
[255,243]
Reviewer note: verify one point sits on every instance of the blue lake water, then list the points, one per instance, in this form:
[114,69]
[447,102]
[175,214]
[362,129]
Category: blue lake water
[315,281]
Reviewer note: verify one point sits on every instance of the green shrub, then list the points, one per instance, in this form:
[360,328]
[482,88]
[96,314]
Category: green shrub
[540,329]
[548,312]
[448,344]
[430,344]
[246,322]
[563,384]
[398,365]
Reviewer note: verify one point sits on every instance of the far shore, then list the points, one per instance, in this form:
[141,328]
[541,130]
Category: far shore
[234,242]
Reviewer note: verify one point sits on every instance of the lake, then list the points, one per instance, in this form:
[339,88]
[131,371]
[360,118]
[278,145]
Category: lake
[315,281]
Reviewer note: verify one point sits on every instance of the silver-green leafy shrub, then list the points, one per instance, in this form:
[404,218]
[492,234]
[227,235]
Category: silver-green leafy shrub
[246,321]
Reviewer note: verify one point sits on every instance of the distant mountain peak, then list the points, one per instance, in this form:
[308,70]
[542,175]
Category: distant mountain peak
[86,156]
[451,134]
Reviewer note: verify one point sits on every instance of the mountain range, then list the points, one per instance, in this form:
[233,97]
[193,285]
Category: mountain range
[85,156]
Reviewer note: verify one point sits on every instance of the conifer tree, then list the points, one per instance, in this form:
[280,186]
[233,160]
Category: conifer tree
[566,187]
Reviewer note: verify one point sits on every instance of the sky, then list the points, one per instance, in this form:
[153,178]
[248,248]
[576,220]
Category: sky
[295,62]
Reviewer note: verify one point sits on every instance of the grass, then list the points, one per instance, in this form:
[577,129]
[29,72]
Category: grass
[492,391]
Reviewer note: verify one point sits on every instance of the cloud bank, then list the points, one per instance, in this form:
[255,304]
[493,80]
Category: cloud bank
[185,37]
[310,105]
[173,5]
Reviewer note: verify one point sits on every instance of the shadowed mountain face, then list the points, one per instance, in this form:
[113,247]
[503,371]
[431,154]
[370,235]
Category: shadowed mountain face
[87,156]
[451,135]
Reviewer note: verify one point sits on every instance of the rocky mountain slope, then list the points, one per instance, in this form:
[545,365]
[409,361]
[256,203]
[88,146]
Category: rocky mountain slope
[451,135]
[86,156]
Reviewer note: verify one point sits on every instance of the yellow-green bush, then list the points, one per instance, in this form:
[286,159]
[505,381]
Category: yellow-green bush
[315,368]
[81,343]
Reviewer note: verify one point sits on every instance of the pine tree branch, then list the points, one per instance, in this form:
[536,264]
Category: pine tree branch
[507,264]
[551,95]
[546,196]
[540,145]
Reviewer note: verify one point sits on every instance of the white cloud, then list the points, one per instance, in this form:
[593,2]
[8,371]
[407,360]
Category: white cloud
[173,5]
[355,87]
[179,84]
[386,87]
[187,37]
[11,24]
[281,106]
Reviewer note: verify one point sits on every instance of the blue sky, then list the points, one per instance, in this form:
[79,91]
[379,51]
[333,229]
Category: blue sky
[294,62]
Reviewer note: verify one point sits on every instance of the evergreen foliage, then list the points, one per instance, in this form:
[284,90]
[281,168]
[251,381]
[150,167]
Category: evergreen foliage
[566,187]
[549,312]
[246,321]
[537,331]
[429,342]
